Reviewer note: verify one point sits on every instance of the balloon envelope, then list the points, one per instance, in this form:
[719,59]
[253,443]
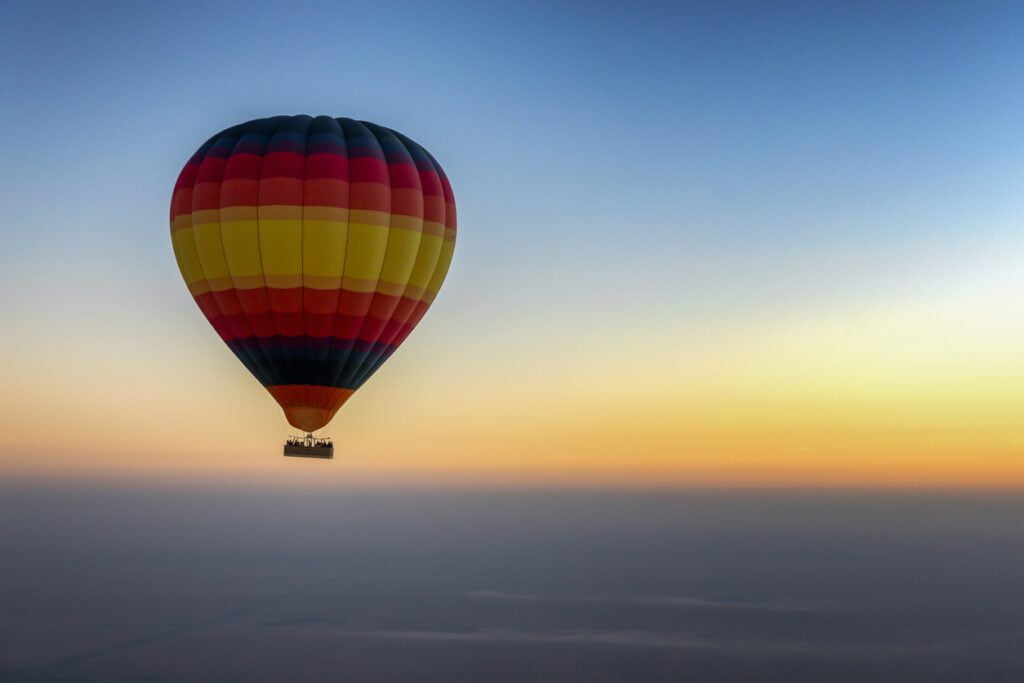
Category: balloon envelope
[313,246]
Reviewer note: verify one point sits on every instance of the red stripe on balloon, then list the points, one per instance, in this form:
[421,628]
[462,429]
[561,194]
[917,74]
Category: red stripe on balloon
[243,313]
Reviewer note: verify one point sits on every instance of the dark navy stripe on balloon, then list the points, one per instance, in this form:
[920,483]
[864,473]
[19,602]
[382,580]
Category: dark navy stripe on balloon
[290,134]
[341,363]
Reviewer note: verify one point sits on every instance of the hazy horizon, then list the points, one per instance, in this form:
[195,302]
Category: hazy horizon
[162,584]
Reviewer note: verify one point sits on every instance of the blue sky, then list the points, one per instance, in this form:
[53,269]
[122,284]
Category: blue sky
[795,127]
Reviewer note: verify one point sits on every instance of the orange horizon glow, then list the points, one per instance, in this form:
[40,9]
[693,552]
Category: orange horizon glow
[919,394]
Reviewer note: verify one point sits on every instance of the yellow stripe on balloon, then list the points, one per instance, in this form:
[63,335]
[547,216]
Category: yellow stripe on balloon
[241,239]
[392,261]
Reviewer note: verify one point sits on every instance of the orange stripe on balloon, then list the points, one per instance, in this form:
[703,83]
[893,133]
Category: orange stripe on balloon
[309,407]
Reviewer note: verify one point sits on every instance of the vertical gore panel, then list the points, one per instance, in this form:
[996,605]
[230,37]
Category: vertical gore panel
[369,208]
[325,225]
[405,244]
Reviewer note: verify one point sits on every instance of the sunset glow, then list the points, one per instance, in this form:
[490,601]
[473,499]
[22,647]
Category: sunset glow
[751,297]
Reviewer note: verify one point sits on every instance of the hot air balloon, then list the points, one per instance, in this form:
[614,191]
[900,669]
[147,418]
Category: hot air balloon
[313,246]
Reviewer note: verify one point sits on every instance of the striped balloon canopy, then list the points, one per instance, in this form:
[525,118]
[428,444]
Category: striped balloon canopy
[313,246]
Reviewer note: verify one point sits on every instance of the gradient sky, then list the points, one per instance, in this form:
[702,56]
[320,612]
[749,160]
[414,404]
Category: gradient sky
[699,244]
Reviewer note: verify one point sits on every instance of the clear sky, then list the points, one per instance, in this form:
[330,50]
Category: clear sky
[699,243]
